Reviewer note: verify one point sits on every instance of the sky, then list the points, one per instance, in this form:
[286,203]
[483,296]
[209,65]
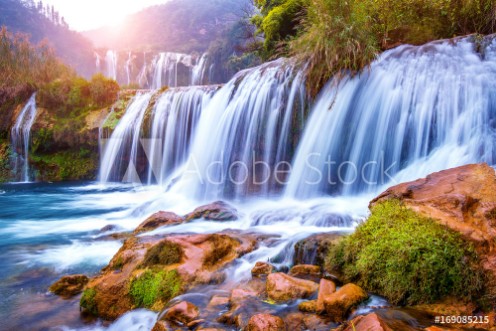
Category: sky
[84,15]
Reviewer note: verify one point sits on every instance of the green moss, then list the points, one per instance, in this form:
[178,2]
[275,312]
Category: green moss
[88,301]
[154,286]
[66,165]
[5,168]
[165,253]
[407,258]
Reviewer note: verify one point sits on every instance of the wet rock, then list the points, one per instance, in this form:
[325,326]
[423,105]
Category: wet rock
[281,287]
[215,211]
[308,306]
[161,218]
[326,288]
[314,249]
[302,322]
[175,262]
[306,271]
[218,301]
[339,304]
[162,326]
[265,322]
[262,269]
[109,227]
[370,322]
[69,286]
[182,313]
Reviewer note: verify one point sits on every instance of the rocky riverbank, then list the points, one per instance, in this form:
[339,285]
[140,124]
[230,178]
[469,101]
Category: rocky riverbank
[435,236]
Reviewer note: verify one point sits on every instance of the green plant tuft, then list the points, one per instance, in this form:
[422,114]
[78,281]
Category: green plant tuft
[153,286]
[407,258]
[164,253]
[88,301]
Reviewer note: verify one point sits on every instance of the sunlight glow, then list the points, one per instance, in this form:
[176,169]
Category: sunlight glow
[92,14]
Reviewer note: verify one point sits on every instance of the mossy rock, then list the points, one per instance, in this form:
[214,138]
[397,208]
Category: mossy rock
[165,253]
[407,258]
[154,288]
[88,302]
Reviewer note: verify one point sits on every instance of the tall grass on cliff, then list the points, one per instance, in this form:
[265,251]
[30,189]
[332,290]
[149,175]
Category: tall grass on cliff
[335,37]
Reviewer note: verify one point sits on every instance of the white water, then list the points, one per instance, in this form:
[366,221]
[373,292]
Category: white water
[20,134]
[418,110]
[111,62]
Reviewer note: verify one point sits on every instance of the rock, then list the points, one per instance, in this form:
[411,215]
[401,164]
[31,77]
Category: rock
[177,262]
[265,322]
[314,249]
[162,326]
[215,211]
[303,322]
[281,287]
[218,301]
[306,271]
[339,304]
[161,218]
[262,269]
[308,306]
[326,288]
[461,199]
[370,322]
[182,313]
[69,286]
[109,227]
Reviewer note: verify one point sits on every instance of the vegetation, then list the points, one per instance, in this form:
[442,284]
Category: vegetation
[88,301]
[165,253]
[333,37]
[407,258]
[155,286]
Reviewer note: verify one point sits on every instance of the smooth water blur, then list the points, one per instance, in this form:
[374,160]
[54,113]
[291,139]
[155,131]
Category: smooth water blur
[51,230]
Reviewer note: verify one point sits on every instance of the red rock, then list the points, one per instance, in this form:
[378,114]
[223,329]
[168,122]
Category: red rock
[262,269]
[182,313]
[326,288]
[281,287]
[339,304]
[265,322]
[69,286]
[215,211]
[306,271]
[161,218]
[308,306]
[370,322]
[217,301]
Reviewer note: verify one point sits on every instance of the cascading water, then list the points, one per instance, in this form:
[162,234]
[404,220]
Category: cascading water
[246,134]
[153,150]
[198,71]
[111,62]
[416,111]
[128,68]
[20,135]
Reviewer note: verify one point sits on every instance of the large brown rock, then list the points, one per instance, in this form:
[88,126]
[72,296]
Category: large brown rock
[326,289]
[370,322]
[462,199]
[306,271]
[339,304]
[161,218]
[69,286]
[196,259]
[314,249]
[215,211]
[182,313]
[262,269]
[265,322]
[282,287]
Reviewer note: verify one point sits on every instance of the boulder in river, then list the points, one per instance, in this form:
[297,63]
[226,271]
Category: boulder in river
[282,287]
[215,211]
[262,269]
[69,286]
[339,304]
[265,322]
[182,313]
[161,218]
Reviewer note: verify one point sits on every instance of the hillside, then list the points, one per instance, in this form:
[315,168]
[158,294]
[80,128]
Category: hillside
[41,23]
[179,26]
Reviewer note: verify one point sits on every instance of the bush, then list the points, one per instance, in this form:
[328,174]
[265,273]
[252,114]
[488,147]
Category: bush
[407,258]
[154,286]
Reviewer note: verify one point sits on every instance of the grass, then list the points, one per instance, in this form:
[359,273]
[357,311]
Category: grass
[407,258]
[165,253]
[88,301]
[154,286]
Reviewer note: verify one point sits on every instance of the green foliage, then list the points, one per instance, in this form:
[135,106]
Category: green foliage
[407,258]
[153,286]
[278,20]
[5,170]
[66,165]
[88,301]
[165,253]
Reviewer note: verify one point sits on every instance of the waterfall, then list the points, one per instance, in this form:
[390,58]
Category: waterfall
[20,135]
[416,111]
[246,134]
[128,68]
[150,149]
[111,61]
[198,71]
[118,162]
[174,119]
